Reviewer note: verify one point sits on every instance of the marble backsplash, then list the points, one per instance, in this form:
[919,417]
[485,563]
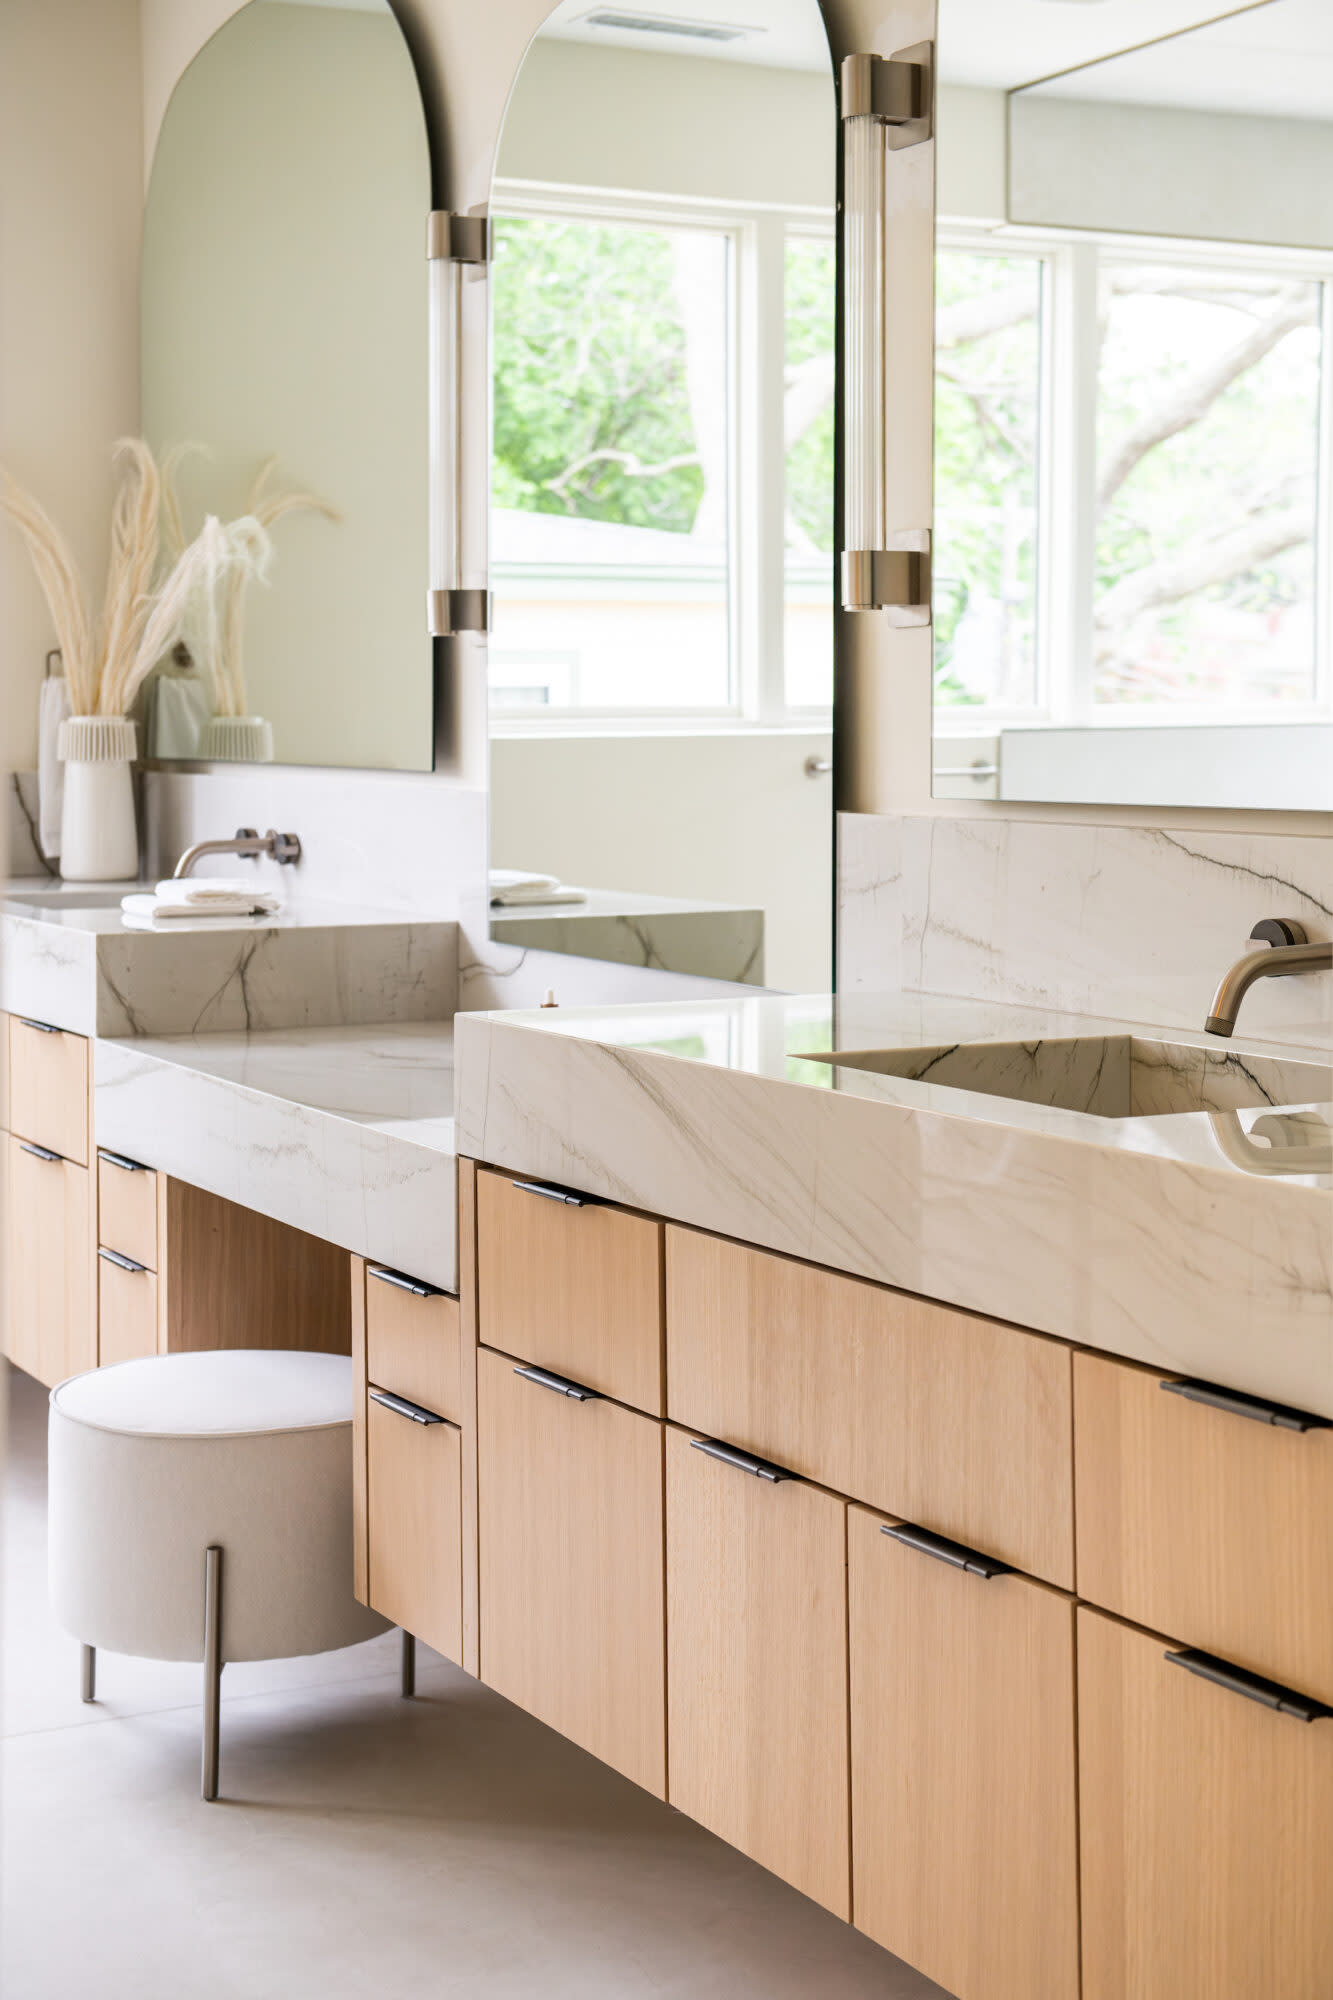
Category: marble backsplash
[1140,922]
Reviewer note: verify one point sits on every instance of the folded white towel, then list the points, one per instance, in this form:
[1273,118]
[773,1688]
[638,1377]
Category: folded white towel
[145,909]
[202,891]
[513,887]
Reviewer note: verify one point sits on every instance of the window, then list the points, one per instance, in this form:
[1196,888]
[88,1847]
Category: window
[1145,430]
[643,565]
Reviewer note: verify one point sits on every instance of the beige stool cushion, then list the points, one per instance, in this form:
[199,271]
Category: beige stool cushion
[153,1461]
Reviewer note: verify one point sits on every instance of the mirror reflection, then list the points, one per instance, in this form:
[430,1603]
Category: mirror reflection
[1132,434]
[661,653]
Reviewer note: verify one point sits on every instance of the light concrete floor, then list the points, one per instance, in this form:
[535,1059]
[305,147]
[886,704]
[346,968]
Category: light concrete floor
[364,1845]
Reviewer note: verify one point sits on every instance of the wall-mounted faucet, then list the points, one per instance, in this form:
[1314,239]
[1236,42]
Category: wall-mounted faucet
[282,847]
[1287,949]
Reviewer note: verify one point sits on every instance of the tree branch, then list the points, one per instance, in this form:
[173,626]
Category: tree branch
[1194,569]
[628,461]
[991,312]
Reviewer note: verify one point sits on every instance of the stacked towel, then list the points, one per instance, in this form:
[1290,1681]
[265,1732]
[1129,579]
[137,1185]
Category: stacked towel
[204,896]
[511,888]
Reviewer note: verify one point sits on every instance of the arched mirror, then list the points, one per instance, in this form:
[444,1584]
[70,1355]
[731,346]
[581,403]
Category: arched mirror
[661,530]
[284,332]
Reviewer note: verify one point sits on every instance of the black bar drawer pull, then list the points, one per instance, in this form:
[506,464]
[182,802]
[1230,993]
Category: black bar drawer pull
[945,1551]
[1270,1694]
[403,1284]
[42,1027]
[402,1408]
[122,1160]
[39,1152]
[552,1193]
[1253,1407]
[121,1263]
[744,1461]
[560,1384]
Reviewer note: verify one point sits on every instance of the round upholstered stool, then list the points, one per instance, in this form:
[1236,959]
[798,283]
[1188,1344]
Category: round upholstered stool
[201,1509]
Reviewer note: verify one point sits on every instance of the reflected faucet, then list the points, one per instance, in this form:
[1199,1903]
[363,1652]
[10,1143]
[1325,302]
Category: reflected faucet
[1287,949]
[281,847]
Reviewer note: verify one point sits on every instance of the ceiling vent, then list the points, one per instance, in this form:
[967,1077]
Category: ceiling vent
[665,24]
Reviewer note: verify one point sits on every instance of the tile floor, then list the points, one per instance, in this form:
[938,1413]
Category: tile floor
[448,1846]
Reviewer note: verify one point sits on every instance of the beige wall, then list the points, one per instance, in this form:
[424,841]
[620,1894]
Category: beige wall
[69,257]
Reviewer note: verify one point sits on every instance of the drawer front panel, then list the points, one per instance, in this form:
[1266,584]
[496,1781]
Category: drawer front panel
[572,1583]
[757,1666]
[48,1088]
[126,1313]
[414,1533]
[963,1793]
[1207,1524]
[127,1209]
[52,1331]
[957,1422]
[576,1289]
[412,1343]
[1206,1828]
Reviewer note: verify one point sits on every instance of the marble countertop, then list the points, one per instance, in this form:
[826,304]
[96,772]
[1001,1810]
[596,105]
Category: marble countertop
[668,933]
[1179,1239]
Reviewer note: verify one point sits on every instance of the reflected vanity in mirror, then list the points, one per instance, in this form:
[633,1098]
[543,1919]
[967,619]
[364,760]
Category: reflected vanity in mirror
[284,342]
[1133,406]
[661,539]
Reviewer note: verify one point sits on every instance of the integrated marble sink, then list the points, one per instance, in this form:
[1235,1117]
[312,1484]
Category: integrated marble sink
[1110,1076]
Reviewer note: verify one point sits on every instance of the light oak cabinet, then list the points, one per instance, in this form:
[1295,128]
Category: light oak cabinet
[571,1553]
[127,1309]
[50,1100]
[1207,1831]
[413,1341]
[51,1331]
[414,1537]
[757,1663]
[128,1194]
[964,1836]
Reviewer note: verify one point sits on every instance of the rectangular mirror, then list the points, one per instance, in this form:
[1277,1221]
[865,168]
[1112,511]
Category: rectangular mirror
[661,653]
[1133,403]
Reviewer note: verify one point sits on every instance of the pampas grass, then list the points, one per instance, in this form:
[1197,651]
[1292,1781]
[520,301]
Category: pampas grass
[59,578]
[129,577]
[251,548]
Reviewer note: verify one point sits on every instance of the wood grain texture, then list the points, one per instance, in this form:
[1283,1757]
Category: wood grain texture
[126,1314]
[1206,1525]
[414,1474]
[757,1667]
[127,1210]
[963,1789]
[572,1584]
[959,1423]
[412,1346]
[52,1329]
[5,1020]
[50,1089]
[236,1278]
[1207,1827]
[578,1290]
[467,1373]
[360,1501]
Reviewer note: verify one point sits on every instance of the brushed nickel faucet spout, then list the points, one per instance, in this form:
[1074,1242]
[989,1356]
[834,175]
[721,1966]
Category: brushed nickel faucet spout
[1286,949]
[281,847]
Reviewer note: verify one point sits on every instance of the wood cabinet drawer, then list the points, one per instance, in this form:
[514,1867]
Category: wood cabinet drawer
[757,1666]
[126,1311]
[571,1285]
[51,1330]
[414,1532]
[412,1341]
[571,1593]
[1206,1827]
[127,1207]
[963,1792]
[942,1417]
[48,1088]
[1204,1522]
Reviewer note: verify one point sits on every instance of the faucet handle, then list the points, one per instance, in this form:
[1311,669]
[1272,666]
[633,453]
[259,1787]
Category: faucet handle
[1279,930]
[284,847]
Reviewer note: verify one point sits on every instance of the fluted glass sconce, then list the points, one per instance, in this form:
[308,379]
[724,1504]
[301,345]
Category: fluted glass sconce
[887,105]
[451,242]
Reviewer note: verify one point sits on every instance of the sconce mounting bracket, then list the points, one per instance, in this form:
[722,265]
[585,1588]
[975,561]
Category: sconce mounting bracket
[449,612]
[457,239]
[887,580]
[898,91]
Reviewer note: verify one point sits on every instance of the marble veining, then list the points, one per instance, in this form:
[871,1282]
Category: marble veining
[659,933]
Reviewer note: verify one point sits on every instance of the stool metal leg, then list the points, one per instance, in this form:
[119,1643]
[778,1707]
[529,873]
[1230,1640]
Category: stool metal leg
[212,1668]
[90,1673]
[409,1666]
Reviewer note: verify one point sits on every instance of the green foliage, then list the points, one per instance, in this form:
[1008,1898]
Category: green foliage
[811,268]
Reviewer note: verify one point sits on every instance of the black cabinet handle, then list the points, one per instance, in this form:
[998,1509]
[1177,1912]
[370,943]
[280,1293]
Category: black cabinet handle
[402,1408]
[560,1384]
[121,1160]
[121,1263]
[954,1553]
[744,1461]
[42,1027]
[553,1193]
[1270,1694]
[402,1284]
[39,1152]
[1253,1407]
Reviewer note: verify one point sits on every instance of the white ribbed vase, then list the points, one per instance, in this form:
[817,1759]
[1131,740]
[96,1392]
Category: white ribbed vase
[237,739]
[98,838]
